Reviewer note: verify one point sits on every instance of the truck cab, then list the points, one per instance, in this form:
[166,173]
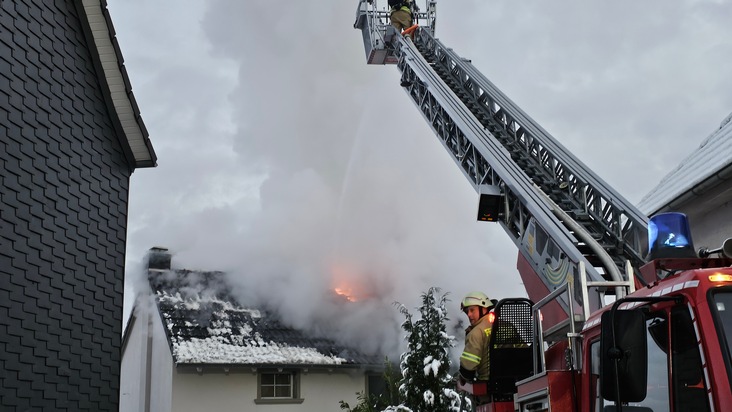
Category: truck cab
[678,352]
[663,347]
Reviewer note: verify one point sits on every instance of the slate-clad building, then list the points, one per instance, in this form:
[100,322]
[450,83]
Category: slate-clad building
[70,137]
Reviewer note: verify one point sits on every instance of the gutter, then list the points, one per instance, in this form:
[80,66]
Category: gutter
[701,188]
[217,368]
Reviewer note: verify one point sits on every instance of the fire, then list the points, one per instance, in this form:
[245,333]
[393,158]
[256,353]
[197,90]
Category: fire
[345,283]
[346,293]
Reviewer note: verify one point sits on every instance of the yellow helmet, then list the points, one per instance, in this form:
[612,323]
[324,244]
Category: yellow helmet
[476,299]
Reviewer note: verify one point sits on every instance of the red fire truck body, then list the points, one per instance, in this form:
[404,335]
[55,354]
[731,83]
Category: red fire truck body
[688,343]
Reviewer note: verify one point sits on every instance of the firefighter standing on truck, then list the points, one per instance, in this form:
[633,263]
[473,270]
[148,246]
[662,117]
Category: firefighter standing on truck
[474,361]
[400,14]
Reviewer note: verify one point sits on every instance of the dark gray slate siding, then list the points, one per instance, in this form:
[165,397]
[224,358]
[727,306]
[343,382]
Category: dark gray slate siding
[64,183]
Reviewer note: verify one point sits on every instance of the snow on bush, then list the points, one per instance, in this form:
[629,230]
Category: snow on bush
[426,384]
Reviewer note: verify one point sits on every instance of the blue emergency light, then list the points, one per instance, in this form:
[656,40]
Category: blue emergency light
[669,236]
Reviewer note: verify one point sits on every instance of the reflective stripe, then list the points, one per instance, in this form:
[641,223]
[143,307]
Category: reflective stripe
[470,357]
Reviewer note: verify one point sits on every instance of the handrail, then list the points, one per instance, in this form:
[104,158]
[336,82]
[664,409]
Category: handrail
[568,288]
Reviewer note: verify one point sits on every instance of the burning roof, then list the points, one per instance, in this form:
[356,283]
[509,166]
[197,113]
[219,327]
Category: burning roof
[206,324]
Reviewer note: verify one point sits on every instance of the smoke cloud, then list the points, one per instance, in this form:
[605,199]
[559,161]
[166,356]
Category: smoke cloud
[295,170]
[289,163]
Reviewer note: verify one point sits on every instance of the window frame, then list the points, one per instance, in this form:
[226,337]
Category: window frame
[725,346]
[294,387]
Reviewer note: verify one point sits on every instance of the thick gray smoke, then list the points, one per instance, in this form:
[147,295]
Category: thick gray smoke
[287,161]
[325,177]
[349,201]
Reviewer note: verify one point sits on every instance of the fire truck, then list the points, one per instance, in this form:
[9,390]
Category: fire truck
[622,314]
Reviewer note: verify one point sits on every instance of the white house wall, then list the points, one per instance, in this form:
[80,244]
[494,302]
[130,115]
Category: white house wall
[147,365]
[321,392]
[132,372]
[162,369]
[709,217]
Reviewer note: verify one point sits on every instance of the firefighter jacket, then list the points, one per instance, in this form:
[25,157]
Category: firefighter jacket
[475,356]
[404,5]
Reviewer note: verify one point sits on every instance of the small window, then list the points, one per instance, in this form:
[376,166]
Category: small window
[278,387]
[541,239]
[375,384]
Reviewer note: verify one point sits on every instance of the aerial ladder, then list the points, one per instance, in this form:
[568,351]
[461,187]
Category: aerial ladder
[581,244]
[555,209]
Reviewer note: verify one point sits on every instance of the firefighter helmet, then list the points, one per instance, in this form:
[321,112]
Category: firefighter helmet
[476,299]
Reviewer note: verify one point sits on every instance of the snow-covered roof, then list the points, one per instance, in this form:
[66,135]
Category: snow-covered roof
[205,324]
[713,157]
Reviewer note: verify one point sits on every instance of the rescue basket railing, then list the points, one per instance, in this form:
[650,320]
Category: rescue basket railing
[373,19]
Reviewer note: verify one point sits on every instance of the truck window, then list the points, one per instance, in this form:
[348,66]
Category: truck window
[594,364]
[672,340]
[722,308]
[658,394]
[690,393]
[657,398]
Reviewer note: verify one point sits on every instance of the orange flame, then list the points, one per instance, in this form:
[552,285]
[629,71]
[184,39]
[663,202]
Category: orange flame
[345,284]
[346,293]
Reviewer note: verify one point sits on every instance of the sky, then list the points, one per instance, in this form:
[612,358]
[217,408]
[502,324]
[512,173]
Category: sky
[286,160]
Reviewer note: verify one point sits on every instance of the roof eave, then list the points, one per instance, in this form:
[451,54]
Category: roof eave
[254,367]
[116,86]
[722,175]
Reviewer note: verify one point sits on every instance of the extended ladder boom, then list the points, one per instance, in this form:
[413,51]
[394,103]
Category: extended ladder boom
[542,184]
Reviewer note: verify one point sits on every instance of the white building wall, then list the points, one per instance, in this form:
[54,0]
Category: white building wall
[214,392]
[132,368]
[161,368]
[236,392]
[147,364]
[323,391]
[709,217]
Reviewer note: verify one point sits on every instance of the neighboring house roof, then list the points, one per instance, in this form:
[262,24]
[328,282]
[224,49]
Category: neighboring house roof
[115,83]
[205,324]
[704,168]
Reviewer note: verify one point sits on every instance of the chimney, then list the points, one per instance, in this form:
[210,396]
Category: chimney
[158,258]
